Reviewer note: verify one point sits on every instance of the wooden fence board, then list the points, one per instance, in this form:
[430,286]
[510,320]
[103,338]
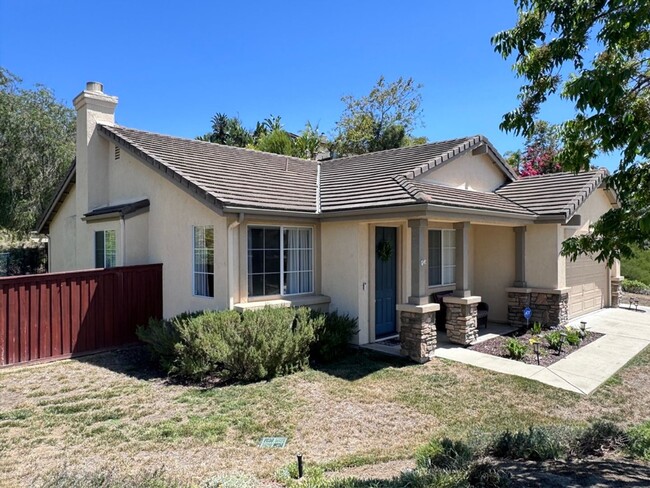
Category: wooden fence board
[63,314]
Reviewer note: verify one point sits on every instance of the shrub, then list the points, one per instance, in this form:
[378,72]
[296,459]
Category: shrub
[270,342]
[573,336]
[202,348]
[161,337]
[554,340]
[444,454]
[333,336]
[515,349]
[599,438]
[537,444]
[639,441]
[634,286]
[486,475]
[251,346]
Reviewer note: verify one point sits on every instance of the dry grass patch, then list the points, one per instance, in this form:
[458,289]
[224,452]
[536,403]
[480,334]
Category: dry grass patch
[112,410]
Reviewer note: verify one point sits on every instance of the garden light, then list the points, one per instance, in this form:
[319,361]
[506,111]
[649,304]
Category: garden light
[536,349]
[583,326]
[563,337]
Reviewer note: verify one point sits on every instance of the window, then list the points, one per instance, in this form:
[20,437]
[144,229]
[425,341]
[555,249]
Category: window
[280,261]
[442,257]
[105,249]
[204,261]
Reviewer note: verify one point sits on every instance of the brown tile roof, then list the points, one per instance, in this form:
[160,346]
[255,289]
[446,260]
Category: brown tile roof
[383,178]
[456,197]
[233,176]
[242,178]
[553,194]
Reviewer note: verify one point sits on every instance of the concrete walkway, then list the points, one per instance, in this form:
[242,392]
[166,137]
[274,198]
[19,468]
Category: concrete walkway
[627,332]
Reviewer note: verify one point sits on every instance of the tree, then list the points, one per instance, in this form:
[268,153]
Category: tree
[228,131]
[610,91]
[37,145]
[308,144]
[383,119]
[539,155]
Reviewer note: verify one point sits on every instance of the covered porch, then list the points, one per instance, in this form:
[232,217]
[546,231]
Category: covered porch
[461,294]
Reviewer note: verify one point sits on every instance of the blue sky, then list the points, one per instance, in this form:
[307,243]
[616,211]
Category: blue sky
[175,64]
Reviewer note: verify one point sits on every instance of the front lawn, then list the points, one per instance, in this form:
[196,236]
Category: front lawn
[112,411]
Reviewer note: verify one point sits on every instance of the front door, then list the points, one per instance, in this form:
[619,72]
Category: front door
[385,281]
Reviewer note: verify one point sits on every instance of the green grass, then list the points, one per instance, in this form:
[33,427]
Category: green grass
[638,267]
[360,411]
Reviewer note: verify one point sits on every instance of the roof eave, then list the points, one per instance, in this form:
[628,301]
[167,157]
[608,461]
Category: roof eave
[178,179]
[68,181]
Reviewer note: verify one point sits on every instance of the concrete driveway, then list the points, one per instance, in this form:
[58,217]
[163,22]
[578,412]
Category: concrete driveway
[627,332]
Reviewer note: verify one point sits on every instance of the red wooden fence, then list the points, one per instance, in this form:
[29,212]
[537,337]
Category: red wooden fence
[59,315]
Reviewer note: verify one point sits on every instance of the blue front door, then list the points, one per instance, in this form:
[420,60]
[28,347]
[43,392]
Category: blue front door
[385,281]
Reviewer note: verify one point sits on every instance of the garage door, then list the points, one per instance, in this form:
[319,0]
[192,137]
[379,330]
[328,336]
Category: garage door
[587,280]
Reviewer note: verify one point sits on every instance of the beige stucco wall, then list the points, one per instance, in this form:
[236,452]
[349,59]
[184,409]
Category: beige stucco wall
[469,172]
[493,267]
[544,266]
[62,245]
[590,211]
[170,220]
[344,270]
[136,239]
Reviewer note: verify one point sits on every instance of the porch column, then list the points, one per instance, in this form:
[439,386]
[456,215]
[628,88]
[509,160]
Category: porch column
[419,261]
[462,259]
[520,257]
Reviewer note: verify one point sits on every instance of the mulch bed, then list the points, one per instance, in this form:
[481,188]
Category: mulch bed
[547,356]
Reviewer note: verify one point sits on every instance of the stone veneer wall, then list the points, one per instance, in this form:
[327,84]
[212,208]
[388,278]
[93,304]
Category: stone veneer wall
[617,292]
[462,327]
[417,335]
[549,308]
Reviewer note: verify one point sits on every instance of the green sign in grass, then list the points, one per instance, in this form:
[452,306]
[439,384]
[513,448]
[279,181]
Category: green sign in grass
[273,442]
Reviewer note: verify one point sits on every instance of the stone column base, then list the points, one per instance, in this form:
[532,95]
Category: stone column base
[550,307]
[417,333]
[617,291]
[461,325]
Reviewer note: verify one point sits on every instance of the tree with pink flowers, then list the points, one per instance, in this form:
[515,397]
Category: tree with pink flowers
[539,155]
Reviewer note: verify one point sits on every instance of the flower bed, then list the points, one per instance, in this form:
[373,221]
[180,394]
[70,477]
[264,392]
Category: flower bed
[547,356]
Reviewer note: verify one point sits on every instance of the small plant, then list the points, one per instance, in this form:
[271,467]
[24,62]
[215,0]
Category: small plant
[537,444]
[444,454]
[333,336]
[536,328]
[515,349]
[554,340]
[639,441]
[487,475]
[599,438]
[573,336]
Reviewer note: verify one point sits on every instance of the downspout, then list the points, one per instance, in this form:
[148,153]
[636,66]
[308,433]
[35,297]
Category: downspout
[318,206]
[231,260]
[123,239]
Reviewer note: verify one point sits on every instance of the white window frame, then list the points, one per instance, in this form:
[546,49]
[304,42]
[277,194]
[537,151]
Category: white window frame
[103,233]
[443,264]
[282,272]
[194,272]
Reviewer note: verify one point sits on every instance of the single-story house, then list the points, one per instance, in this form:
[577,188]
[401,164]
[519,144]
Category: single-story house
[389,237]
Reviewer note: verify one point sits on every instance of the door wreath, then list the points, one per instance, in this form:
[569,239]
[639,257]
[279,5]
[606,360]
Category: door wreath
[384,250]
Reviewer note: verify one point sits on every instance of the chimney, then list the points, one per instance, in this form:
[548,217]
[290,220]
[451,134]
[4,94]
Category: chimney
[93,107]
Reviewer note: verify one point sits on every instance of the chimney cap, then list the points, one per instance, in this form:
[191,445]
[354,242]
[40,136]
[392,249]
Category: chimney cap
[94,86]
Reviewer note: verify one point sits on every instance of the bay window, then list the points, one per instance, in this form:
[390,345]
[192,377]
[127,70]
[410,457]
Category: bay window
[442,257]
[280,261]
